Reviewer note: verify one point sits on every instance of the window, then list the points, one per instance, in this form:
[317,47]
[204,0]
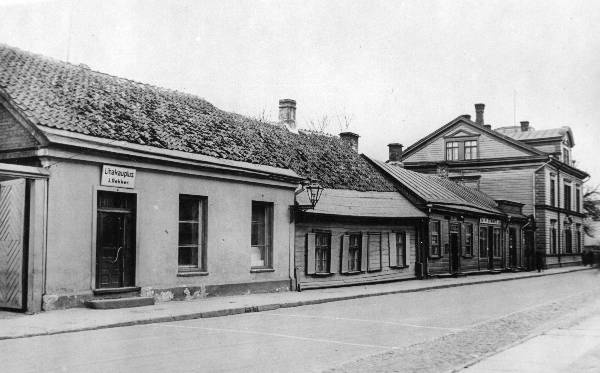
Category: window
[261,235]
[452,151]
[568,240]
[401,248]
[483,251]
[374,257]
[567,192]
[471,149]
[577,199]
[322,252]
[566,157]
[434,233]
[192,233]
[553,232]
[497,242]
[552,192]
[468,250]
[354,252]
[578,248]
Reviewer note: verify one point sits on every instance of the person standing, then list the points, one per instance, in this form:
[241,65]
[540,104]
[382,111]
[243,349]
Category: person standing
[540,256]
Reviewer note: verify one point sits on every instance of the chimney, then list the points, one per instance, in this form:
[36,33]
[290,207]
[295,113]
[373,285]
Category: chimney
[395,151]
[488,126]
[351,139]
[467,116]
[287,113]
[524,126]
[479,113]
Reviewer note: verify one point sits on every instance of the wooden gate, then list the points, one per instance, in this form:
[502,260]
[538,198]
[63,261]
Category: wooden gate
[12,225]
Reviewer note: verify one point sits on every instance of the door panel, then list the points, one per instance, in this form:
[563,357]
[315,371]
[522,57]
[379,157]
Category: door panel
[12,225]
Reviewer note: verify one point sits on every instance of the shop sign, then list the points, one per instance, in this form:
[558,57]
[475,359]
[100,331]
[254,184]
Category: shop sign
[489,221]
[118,176]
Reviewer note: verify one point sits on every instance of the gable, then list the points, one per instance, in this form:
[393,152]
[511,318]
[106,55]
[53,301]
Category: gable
[13,136]
[489,146]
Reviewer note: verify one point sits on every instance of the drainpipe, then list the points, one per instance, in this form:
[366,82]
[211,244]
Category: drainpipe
[533,201]
[558,216]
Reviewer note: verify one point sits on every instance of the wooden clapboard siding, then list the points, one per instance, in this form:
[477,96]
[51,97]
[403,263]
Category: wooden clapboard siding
[489,147]
[519,189]
[338,229]
[552,147]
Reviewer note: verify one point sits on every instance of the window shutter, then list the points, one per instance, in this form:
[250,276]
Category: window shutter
[385,248]
[393,251]
[310,253]
[364,251]
[475,239]
[409,249]
[345,252]
[444,239]
[334,266]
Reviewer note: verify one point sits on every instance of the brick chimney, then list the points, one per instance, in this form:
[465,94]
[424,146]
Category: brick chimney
[395,154]
[287,114]
[351,139]
[479,113]
[524,126]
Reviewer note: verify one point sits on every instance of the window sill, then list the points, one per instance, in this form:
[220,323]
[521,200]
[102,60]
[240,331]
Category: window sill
[399,267]
[322,274]
[261,270]
[192,274]
[375,270]
[352,273]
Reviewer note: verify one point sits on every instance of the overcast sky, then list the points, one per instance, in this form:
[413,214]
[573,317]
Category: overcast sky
[400,69]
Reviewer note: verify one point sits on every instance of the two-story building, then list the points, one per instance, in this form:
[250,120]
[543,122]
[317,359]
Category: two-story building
[520,164]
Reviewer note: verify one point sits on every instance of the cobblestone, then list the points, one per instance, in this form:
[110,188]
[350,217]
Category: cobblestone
[453,351]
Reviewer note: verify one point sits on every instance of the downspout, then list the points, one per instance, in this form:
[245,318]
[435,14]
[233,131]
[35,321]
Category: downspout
[533,204]
[558,216]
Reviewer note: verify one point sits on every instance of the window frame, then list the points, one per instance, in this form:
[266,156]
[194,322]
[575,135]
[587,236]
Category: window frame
[497,244]
[553,192]
[326,248]
[267,246]
[472,147]
[577,198]
[358,248]
[567,196]
[568,232]
[438,233]
[468,248]
[450,146]
[553,238]
[403,235]
[201,257]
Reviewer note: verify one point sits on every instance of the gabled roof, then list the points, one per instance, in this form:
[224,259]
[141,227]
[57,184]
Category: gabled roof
[439,191]
[51,94]
[463,120]
[363,204]
[539,135]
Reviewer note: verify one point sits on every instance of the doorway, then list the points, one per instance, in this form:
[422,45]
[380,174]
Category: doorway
[512,247]
[454,248]
[115,240]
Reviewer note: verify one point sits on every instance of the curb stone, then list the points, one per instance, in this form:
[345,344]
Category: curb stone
[273,306]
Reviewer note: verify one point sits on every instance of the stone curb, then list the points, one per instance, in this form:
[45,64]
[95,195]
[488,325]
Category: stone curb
[274,306]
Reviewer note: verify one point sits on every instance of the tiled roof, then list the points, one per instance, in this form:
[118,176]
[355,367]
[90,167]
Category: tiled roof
[517,134]
[438,190]
[55,94]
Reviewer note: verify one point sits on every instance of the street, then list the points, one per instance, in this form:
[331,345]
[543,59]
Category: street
[309,338]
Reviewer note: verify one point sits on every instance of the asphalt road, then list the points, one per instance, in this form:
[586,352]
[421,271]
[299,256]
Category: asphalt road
[310,338]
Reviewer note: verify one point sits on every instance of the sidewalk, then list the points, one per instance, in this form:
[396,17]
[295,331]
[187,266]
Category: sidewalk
[78,319]
[572,349]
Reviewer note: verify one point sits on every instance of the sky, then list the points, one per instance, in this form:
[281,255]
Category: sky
[399,69]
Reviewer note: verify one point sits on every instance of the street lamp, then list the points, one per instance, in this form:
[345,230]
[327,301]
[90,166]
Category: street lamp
[313,190]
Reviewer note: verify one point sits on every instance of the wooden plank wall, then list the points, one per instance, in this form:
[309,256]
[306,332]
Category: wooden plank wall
[336,278]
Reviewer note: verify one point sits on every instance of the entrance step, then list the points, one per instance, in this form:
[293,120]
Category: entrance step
[106,304]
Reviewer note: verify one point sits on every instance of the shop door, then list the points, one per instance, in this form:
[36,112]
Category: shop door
[512,247]
[454,253]
[12,244]
[115,242]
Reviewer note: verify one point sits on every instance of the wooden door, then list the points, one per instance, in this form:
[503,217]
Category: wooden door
[115,242]
[12,244]
[512,247]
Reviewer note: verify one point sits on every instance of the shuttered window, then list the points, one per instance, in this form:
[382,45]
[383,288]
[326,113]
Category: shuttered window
[400,249]
[322,252]
[354,254]
[434,246]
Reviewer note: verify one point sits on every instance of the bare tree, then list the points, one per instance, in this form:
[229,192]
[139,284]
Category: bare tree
[591,207]
[344,121]
[320,124]
[263,116]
